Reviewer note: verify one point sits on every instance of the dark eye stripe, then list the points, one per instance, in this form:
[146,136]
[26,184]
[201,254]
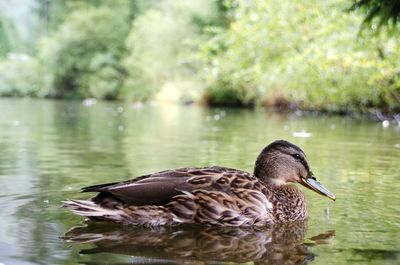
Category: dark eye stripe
[301,160]
[298,157]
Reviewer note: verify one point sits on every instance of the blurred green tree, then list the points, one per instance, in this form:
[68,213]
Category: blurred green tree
[162,46]
[301,54]
[87,47]
[19,77]
[227,52]
[9,38]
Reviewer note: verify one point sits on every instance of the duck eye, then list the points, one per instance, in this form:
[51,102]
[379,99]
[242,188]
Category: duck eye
[297,156]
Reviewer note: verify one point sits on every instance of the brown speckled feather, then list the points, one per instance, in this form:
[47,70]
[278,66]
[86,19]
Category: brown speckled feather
[168,183]
[213,196]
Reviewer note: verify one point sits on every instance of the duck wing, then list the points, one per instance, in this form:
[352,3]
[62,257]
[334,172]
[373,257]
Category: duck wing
[160,187]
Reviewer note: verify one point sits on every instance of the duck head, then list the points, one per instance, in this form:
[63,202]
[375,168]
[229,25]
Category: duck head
[282,162]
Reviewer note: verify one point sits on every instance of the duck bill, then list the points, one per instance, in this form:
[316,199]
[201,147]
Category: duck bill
[311,183]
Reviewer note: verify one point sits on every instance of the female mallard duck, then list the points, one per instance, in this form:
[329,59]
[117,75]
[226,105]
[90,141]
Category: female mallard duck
[211,195]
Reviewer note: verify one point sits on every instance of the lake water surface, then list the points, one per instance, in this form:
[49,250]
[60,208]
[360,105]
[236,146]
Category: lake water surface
[50,149]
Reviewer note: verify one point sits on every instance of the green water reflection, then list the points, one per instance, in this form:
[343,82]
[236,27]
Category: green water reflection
[49,149]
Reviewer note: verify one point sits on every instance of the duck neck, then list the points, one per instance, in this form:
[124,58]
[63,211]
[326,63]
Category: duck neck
[291,204]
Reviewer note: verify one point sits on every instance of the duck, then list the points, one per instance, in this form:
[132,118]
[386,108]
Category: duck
[212,196]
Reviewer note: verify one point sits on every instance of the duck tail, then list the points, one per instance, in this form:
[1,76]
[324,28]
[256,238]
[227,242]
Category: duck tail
[95,211]
[147,215]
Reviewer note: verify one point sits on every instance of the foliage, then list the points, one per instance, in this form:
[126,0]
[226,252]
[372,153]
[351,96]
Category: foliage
[386,12]
[9,39]
[302,52]
[86,50]
[5,45]
[306,54]
[19,77]
[161,46]
[105,79]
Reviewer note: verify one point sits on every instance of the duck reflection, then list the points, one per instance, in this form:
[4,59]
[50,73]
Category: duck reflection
[280,244]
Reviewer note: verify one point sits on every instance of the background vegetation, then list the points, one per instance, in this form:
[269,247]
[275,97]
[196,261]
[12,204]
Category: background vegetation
[293,54]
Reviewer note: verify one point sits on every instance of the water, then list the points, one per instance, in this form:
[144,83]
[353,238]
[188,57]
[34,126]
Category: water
[50,149]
